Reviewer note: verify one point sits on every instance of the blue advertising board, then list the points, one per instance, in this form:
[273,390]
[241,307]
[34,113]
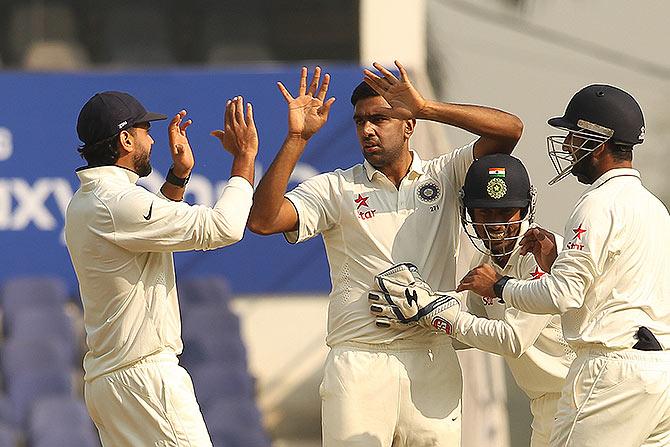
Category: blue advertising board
[38,158]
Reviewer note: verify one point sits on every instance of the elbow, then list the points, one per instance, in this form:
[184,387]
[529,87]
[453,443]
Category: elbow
[514,132]
[258,227]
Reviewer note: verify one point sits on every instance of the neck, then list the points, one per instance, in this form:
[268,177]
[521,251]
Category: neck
[397,171]
[501,261]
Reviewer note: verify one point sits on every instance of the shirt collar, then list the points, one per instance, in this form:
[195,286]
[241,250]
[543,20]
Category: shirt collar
[87,174]
[415,168]
[617,172]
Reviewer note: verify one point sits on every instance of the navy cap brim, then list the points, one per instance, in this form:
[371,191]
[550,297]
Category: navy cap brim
[151,116]
[561,123]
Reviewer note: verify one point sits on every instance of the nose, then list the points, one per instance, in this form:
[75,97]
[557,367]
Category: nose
[368,128]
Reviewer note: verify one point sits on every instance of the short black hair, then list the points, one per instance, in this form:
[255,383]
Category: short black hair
[104,152]
[362,91]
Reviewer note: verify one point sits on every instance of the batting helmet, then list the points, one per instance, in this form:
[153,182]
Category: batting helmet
[496,181]
[595,114]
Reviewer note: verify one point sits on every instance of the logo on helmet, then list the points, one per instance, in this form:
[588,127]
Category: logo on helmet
[496,188]
[429,192]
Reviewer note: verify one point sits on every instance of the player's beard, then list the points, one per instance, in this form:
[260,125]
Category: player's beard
[142,163]
[585,170]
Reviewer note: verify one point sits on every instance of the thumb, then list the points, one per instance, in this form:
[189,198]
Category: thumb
[217,134]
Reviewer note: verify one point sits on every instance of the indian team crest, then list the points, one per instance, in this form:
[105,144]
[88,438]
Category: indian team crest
[429,192]
[496,188]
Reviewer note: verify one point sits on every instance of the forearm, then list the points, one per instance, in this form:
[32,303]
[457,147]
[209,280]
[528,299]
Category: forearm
[502,127]
[495,336]
[554,293]
[244,166]
[269,194]
[173,192]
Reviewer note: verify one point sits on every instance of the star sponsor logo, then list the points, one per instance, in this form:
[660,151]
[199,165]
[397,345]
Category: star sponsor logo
[362,201]
[537,273]
[576,243]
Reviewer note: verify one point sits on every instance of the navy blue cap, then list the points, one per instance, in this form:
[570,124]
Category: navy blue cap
[108,113]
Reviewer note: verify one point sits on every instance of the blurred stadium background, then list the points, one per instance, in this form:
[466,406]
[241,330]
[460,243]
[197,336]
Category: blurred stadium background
[254,314]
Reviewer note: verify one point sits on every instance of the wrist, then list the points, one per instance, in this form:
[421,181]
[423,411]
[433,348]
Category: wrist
[423,111]
[181,172]
[499,286]
[297,137]
[178,177]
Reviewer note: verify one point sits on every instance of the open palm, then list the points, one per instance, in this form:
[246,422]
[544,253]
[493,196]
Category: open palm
[405,101]
[307,112]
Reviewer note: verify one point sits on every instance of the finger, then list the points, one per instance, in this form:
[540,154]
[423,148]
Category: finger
[381,310]
[324,87]
[375,297]
[228,114]
[217,134]
[239,111]
[285,92]
[324,110]
[249,119]
[185,125]
[387,74]
[315,81]
[303,81]
[375,85]
[380,82]
[383,323]
[403,73]
[174,122]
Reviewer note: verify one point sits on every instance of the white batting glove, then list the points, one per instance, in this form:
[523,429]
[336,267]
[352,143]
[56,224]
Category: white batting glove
[404,299]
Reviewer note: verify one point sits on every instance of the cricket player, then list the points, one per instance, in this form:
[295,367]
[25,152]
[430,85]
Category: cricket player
[610,283]
[498,206]
[381,387]
[121,238]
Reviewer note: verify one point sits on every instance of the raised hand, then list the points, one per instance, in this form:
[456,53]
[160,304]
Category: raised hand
[542,244]
[307,112]
[405,101]
[239,136]
[182,155]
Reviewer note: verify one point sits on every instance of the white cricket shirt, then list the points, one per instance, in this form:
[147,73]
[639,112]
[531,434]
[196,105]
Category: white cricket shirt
[613,274]
[368,226]
[532,345]
[121,238]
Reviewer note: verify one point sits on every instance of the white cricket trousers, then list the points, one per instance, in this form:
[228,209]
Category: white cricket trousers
[150,404]
[543,410]
[398,394]
[615,398]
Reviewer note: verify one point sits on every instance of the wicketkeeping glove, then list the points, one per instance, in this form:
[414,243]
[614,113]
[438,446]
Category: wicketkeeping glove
[404,298]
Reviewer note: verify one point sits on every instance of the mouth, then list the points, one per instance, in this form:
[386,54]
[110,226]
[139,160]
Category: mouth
[497,236]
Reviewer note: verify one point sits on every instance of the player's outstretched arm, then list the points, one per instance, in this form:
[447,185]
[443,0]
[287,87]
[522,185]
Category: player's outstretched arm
[307,113]
[498,131]
[239,137]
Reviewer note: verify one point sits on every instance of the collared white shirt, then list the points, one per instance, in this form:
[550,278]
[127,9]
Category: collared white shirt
[121,238]
[613,274]
[532,345]
[368,226]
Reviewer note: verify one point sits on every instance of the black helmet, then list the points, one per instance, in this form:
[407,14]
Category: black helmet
[596,114]
[604,106]
[496,181]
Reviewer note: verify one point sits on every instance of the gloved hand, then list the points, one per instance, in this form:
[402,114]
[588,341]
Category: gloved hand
[404,298]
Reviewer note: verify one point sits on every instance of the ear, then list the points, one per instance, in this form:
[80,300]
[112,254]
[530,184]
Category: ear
[601,151]
[409,128]
[126,141]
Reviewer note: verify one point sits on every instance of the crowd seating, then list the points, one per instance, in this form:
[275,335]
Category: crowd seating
[41,352]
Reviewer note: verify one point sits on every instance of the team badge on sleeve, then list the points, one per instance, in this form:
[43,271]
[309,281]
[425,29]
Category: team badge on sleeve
[429,192]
